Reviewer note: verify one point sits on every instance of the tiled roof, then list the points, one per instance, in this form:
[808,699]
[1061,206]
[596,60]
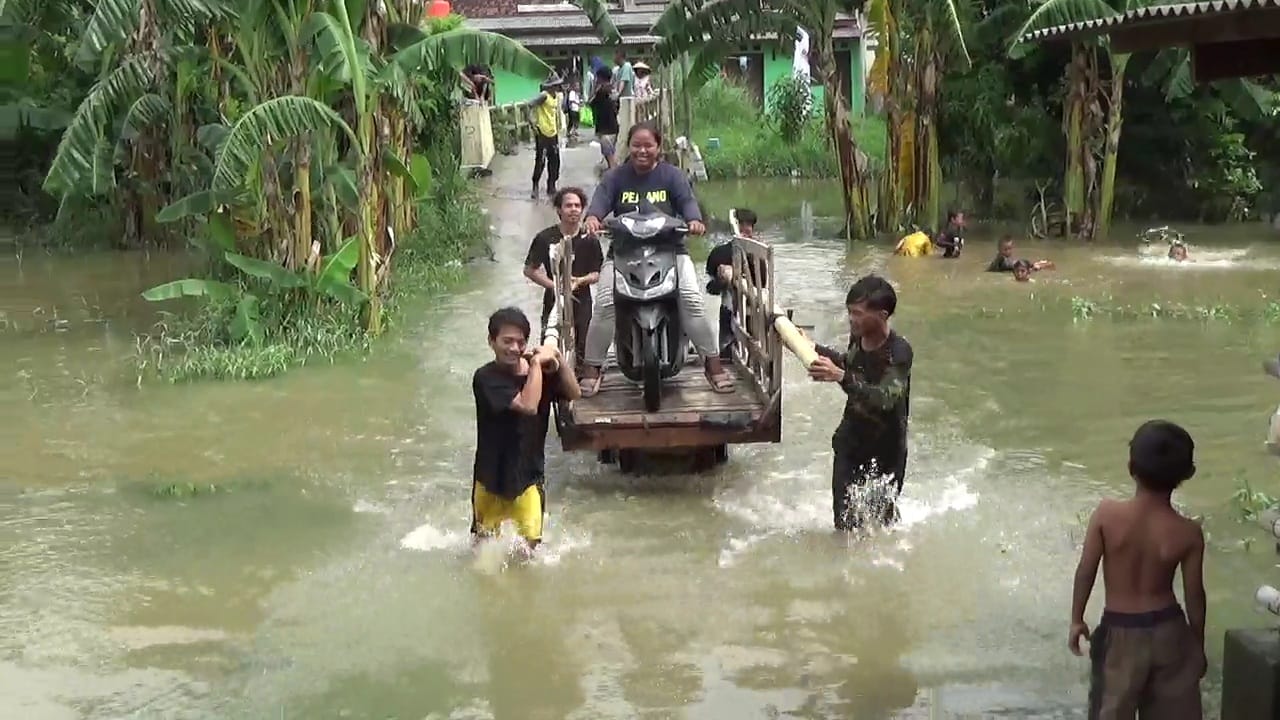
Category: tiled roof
[1150,15]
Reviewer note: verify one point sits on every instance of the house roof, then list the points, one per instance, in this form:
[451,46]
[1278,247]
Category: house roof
[1188,20]
[573,27]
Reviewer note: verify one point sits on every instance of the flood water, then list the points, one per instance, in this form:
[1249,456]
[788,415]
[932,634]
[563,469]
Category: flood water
[333,578]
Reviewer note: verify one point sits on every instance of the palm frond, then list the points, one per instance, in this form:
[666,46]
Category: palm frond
[331,45]
[270,122]
[457,48]
[952,34]
[77,155]
[597,12]
[343,35]
[684,28]
[113,22]
[147,111]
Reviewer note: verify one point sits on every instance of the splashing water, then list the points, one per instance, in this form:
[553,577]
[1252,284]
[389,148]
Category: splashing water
[493,555]
[1197,259]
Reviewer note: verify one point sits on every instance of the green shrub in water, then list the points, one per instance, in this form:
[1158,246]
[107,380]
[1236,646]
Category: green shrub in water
[755,145]
[1086,309]
[229,338]
[1249,504]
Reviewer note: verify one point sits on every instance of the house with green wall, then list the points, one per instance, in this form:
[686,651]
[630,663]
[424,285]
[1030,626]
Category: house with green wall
[562,36]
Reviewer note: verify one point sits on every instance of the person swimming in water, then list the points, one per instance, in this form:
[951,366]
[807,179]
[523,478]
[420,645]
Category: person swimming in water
[951,239]
[1022,270]
[1177,251]
[1004,261]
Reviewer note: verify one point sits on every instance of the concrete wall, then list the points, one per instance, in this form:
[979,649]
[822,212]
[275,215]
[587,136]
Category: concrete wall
[778,65]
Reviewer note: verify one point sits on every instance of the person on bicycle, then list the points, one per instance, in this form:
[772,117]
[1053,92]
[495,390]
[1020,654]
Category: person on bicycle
[646,176]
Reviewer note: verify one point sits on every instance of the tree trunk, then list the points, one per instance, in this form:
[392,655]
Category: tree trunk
[853,185]
[1115,121]
[1073,120]
[926,185]
[301,246]
[143,194]
[366,270]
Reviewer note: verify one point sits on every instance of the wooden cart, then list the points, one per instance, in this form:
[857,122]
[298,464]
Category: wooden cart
[694,421]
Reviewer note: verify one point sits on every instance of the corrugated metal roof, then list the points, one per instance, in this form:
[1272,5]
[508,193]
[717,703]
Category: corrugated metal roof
[637,21]
[1150,15]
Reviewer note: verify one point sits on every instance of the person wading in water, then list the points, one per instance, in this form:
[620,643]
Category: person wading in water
[513,395]
[542,264]
[870,444]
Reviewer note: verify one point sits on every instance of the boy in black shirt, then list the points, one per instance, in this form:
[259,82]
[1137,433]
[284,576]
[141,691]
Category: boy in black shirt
[875,373]
[542,263]
[951,239]
[1005,262]
[513,395]
[720,269]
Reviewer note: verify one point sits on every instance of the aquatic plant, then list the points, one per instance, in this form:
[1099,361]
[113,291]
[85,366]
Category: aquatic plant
[1249,504]
[1087,309]
[213,344]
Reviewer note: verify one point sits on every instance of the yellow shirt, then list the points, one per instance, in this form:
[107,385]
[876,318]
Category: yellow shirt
[546,115]
[917,244]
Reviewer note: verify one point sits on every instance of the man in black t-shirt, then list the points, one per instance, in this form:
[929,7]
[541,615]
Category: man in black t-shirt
[543,260]
[870,444]
[604,116]
[513,396]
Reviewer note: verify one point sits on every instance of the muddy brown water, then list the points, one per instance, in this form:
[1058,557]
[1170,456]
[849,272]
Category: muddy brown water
[334,577]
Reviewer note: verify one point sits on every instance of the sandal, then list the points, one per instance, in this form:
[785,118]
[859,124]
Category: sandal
[721,383]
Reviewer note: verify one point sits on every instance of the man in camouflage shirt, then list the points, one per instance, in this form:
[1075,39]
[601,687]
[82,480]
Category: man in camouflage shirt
[870,444]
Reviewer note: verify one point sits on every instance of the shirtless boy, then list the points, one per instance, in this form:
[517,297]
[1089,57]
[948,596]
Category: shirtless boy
[1147,657]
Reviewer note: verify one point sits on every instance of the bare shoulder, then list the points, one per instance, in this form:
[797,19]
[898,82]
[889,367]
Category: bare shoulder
[1191,531]
[1107,507]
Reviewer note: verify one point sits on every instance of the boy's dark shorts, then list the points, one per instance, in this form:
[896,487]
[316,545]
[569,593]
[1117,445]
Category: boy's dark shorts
[1144,663]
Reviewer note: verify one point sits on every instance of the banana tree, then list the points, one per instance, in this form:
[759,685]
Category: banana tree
[136,47]
[709,31]
[360,53]
[917,40]
[1093,111]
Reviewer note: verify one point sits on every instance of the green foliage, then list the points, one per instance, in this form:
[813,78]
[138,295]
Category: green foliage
[1249,504]
[241,303]
[791,107]
[1087,309]
[752,147]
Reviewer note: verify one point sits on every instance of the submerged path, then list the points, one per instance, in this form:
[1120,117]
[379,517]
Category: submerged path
[331,573]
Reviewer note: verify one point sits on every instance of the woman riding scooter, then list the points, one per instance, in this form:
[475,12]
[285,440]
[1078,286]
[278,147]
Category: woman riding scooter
[645,177]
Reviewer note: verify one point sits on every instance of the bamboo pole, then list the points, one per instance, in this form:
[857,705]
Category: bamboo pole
[794,340]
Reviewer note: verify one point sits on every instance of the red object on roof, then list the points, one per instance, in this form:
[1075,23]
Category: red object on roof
[438,8]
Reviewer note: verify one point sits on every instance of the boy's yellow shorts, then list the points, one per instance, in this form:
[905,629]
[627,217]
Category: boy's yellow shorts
[489,511]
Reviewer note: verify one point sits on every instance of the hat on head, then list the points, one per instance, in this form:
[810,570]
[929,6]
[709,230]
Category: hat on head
[640,66]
